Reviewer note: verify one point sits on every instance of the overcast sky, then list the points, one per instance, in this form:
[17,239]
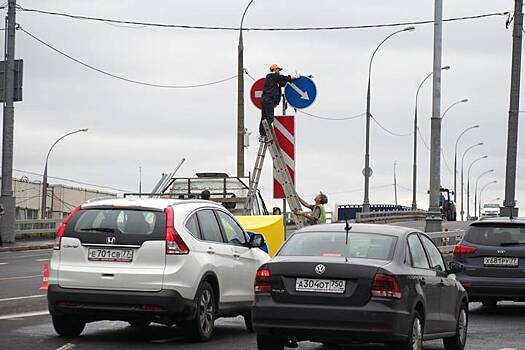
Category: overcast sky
[131,125]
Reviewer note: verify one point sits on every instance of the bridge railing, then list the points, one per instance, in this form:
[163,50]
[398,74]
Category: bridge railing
[384,217]
[446,240]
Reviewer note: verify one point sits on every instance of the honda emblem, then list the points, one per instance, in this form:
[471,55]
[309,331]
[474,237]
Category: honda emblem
[110,240]
[320,269]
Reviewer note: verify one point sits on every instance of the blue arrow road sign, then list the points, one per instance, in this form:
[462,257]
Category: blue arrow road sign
[300,93]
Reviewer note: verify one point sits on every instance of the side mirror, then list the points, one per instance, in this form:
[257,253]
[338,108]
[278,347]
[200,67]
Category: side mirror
[256,241]
[455,267]
[276,211]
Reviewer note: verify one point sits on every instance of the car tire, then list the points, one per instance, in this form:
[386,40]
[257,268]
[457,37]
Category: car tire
[248,322]
[200,328]
[458,341]
[415,336]
[267,342]
[68,326]
[139,323]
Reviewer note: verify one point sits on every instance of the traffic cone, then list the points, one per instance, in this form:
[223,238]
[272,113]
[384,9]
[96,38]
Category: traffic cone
[45,278]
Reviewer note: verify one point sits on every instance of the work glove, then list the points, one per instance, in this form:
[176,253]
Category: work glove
[296,75]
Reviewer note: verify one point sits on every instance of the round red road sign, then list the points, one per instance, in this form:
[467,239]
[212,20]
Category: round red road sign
[256,92]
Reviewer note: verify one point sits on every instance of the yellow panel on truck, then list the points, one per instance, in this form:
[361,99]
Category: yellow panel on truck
[271,226]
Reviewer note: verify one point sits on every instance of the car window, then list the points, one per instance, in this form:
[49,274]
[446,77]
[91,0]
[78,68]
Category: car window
[496,234]
[192,226]
[419,259]
[234,234]
[209,226]
[359,245]
[123,221]
[433,253]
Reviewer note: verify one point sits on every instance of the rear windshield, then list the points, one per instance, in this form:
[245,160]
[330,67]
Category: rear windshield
[122,221]
[360,245]
[496,235]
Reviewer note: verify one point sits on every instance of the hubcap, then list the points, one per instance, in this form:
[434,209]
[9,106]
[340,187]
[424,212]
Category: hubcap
[417,338]
[462,326]
[206,312]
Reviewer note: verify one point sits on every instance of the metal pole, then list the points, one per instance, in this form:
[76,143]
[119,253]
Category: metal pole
[456,158]
[367,170]
[43,211]
[512,136]
[7,199]
[462,212]
[476,190]
[284,199]
[481,192]
[468,183]
[395,182]
[240,99]
[433,219]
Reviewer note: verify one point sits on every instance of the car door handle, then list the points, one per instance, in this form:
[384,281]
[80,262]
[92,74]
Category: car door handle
[441,283]
[236,255]
[211,251]
[422,281]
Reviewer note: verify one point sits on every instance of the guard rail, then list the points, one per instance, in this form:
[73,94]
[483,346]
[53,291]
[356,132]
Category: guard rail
[385,217]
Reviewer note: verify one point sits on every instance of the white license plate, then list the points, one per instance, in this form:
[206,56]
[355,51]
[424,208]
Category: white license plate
[320,286]
[500,261]
[103,254]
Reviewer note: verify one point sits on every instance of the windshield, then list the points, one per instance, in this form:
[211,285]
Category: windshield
[494,206]
[495,235]
[360,245]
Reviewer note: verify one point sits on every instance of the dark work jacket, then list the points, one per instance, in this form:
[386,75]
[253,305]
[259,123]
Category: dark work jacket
[272,87]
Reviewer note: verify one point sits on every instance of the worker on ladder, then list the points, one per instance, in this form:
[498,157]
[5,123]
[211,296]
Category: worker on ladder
[271,96]
[318,211]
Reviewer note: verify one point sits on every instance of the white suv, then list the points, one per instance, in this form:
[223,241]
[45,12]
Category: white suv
[152,260]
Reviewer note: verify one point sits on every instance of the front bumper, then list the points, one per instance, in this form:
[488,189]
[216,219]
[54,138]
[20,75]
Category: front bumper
[483,288]
[378,321]
[165,306]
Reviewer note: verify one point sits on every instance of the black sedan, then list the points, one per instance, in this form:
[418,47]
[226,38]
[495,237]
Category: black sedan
[340,284]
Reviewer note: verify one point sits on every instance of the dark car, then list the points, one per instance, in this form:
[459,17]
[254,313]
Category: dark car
[366,283]
[492,254]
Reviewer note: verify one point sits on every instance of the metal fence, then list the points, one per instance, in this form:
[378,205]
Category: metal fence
[37,228]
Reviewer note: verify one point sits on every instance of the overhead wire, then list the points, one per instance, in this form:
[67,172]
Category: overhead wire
[329,118]
[119,77]
[225,28]
[387,130]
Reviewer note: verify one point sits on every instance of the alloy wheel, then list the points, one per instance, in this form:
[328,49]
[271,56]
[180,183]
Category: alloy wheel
[417,336]
[462,326]
[206,311]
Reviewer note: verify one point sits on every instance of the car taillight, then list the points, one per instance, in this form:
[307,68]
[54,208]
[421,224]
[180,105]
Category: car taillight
[174,243]
[62,228]
[385,286]
[462,249]
[262,281]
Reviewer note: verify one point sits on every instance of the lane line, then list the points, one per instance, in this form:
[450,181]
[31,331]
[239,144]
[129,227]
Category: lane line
[23,256]
[24,314]
[42,259]
[66,346]
[4,263]
[26,297]
[18,278]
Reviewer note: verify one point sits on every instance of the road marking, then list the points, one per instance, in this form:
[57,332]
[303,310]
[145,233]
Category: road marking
[25,314]
[4,263]
[26,297]
[508,349]
[18,278]
[168,340]
[42,259]
[23,256]
[66,346]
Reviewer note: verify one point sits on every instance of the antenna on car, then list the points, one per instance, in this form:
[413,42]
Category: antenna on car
[347,229]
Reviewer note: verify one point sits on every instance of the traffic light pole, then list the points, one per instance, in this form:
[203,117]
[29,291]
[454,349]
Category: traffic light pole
[7,222]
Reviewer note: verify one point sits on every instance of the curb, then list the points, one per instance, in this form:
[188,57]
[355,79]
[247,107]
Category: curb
[27,247]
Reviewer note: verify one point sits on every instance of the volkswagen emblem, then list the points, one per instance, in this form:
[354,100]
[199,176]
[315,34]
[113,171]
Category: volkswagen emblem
[110,240]
[320,269]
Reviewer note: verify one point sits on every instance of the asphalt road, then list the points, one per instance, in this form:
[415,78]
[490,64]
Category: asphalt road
[25,324]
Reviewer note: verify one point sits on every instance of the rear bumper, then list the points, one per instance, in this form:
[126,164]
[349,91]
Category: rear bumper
[377,321]
[165,306]
[482,288]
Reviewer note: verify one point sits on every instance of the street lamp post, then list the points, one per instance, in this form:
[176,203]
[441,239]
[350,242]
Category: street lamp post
[240,99]
[456,160]
[462,170]
[366,171]
[465,100]
[414,163]
[43,214]
[476,213]
[481,192]
[468,183]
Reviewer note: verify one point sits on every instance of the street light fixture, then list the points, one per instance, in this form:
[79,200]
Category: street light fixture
[481,191]
[414,167]
[367,171]
[240,99]
[462,170]
[43,214]
[456,160]
[465,100]
[476,213]
[468,182]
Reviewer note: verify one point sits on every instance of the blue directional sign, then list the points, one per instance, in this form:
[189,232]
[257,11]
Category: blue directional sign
[300,93]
